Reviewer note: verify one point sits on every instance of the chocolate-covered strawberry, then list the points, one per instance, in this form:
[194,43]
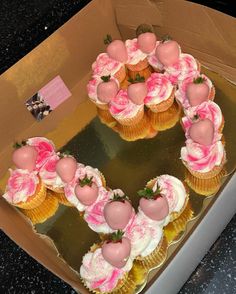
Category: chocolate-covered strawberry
[118,212]
[198,91]
[24,156]
[66,167]
[107,89]
[116,49]
[146,38]
[137,90]
[86,190]
[116,250]
[153,204]
[168,52]
[202,132]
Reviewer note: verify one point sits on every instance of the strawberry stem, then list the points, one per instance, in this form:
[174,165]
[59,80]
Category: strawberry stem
[199,80]
[86,181]
[116,236]
[144,28]
[196,117]
[166,38]
[138,79]
[106,78]
[148,193]
[117,197]
[108,39]
[17,145]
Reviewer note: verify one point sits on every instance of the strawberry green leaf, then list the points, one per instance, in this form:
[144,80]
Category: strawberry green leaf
[86,181]
[106,78]
[107,39]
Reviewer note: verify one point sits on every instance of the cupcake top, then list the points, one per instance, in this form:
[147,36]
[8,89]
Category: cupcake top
[44,147]
[81,172]
[104,65]
[181,93]
[153,61]
[98,274]
[185,67]
[21,185]
[48,173]
[206,110]
[135,55]
[174,191]
[92,89]
[122,107]
[159,89]
[144,235]
[202,158]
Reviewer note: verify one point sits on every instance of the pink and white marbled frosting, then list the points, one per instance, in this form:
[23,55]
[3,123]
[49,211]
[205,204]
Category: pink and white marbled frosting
[185,67]
[45,149]
[135,55]
[98,274]
[202,158]
[159,89]
[122,107]
[182,88]
[105,66]
[153,61]
[21,185]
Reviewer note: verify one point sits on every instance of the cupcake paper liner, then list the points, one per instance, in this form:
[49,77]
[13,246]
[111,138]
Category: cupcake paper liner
[120,74]
[141,65]
[35,200]
[55,189]
[146,73]
[101,105]
[106,118]
[43,212]
[164,105]
[156,258]
[61,198]
[205,187]
[173,229]
[165,120]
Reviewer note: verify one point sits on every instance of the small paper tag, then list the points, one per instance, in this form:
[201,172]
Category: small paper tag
[48,98]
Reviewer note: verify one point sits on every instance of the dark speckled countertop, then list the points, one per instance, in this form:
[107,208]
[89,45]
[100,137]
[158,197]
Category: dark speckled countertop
[23,25]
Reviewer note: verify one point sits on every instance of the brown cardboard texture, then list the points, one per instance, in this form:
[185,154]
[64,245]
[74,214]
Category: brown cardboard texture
[207,34]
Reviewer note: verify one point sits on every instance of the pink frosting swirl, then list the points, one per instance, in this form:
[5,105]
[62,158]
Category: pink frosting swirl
[99,274]
[182,86]
[122,107]
[134,53]
[45,149]
[104,65]
[206,110]
[92,88]
[153,61]
[159,89]
[185,67]
[202,158]
[48,172]
[21,185]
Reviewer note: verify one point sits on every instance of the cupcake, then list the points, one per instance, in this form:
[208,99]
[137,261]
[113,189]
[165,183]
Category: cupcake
[195,90]
[130,116]
[105,268]
[137,60]
[25,189]
[148,245]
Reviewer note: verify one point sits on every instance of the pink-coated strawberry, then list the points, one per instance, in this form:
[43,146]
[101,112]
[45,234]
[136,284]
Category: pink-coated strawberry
[107,89]
[24,156]
[197,91]
[137,90]
[116,49]
[66,168]
[116,251]
[202,132]
[153,204]
[147,42]
[118,212]
[168,52]
[86,191]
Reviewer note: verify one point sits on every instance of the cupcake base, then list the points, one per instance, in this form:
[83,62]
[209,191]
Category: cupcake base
[61,198]
[205,187]
[106,118]
[43,212]
[165,120]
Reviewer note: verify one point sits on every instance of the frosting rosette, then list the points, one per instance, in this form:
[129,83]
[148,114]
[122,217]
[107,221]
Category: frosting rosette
[97,273]
[48,173]
[206,110]
[159,89]
[122,107]
[105,66]
[185,67]
[144,235]
[44,147]
[135,55]
[21,185]
[182,88]
[202,158]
